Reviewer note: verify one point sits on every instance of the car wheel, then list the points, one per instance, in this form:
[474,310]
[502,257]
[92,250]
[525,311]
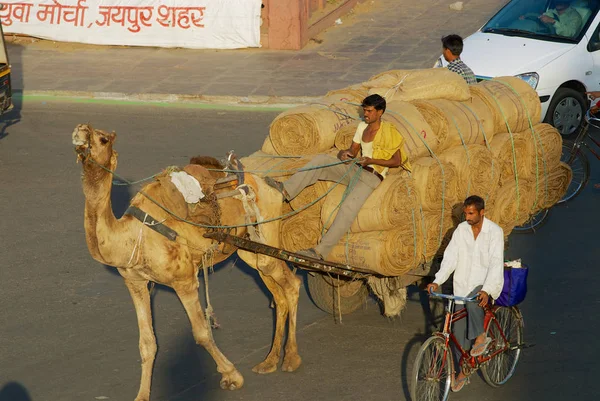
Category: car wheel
[566,112]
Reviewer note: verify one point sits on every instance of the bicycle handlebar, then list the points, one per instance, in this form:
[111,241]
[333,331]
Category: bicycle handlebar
[453,297]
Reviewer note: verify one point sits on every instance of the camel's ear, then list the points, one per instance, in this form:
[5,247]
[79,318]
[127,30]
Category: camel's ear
[112,136]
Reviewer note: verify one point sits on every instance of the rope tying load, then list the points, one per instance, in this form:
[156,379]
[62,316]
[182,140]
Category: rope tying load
[484,139]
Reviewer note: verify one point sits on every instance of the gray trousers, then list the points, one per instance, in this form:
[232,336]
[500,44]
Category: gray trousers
[362,186]
[466,330]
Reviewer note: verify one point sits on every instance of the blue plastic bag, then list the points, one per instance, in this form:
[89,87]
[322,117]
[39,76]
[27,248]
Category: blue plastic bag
[515,286]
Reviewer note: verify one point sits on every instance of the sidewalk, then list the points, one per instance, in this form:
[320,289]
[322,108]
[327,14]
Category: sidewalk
[378,35]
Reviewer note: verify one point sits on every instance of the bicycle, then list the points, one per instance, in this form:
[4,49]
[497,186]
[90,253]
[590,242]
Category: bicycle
[574,156]
[434,369]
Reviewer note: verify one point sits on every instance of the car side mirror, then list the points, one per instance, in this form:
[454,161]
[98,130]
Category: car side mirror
[593,46]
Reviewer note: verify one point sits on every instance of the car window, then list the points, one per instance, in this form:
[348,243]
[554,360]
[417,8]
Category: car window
[594,44]
[553,20]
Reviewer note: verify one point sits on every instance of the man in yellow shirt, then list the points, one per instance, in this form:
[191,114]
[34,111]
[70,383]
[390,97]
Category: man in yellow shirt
[382,148]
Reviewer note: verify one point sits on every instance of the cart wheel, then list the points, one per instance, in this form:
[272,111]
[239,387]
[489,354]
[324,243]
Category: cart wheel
[324,292]
[534,222]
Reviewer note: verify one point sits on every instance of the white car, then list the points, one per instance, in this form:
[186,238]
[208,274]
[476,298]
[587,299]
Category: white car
[561,67]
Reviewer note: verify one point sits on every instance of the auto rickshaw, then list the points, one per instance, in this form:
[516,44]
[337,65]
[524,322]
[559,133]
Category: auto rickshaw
[5,86]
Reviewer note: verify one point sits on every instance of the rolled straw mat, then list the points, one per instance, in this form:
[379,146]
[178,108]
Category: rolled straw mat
[394,202]
[514,103]
[430,83]
[310,129]
[478,172]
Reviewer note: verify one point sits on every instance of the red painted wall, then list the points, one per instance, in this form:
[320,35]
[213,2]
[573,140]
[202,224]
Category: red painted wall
[286,22]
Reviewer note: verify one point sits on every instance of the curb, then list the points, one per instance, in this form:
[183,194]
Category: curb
[166,99]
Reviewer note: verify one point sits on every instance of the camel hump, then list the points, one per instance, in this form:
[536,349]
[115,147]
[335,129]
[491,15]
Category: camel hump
[210,163]
[205,178]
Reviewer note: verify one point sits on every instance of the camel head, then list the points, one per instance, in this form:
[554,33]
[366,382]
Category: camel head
[96,145]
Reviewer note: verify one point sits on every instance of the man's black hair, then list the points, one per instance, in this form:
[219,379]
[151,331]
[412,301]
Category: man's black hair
[454,43]
[476,201]
[374,100]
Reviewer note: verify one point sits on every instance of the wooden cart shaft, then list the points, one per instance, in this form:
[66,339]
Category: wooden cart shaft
[308,263]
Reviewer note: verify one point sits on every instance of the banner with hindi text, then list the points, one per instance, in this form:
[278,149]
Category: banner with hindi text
[194,24]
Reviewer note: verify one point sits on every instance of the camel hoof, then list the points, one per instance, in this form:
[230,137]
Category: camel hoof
[291,363]
[232,381]
[265,367]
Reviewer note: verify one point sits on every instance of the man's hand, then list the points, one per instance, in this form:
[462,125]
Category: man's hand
[593,95]
[483,298]
[547,20]
[433,287]
[344,155]
[365,161]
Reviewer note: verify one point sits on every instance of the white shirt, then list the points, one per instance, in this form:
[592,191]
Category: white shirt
[366,148]
[474,262]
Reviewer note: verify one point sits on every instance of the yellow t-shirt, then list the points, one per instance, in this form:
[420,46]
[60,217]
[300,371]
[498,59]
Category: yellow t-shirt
[387,141]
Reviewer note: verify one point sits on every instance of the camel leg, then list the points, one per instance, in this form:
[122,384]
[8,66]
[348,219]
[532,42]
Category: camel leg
[288,285]
[141,300]
[269,365]
[231,379]
[291,288]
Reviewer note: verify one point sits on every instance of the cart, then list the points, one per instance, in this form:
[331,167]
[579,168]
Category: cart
[334,287]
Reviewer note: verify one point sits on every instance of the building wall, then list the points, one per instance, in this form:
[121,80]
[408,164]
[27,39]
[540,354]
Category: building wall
[289,24]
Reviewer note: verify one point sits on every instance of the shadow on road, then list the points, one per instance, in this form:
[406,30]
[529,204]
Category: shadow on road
[433,314]
[190,373]
[407,361]
[14,391]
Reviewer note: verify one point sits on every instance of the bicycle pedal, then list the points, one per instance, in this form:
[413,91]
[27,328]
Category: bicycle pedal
[522,346]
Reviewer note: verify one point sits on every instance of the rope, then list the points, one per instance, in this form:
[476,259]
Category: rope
[270,170]
[135,182]
[336,111]
[396,86]
[485,140]
[293,212]
[432,153]
[125,182]
[297,170]
[209,314]
[280,156]
[536,137]
[414,226]
[138,243]
[462,140]
[512,142]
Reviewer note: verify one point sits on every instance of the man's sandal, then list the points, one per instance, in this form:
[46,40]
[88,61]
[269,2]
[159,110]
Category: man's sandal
[458,385]
[278,186]
[311,253]
[480,348]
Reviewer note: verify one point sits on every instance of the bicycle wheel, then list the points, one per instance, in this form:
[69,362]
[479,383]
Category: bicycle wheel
[500,368]
[580,166]
[432,372]
[534,222]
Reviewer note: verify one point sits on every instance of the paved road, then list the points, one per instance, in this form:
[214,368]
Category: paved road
[68,330]
[377,36]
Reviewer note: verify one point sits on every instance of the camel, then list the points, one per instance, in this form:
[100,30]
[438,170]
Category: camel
[142,255]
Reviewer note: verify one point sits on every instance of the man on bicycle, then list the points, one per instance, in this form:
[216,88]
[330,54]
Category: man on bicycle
[475,255]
